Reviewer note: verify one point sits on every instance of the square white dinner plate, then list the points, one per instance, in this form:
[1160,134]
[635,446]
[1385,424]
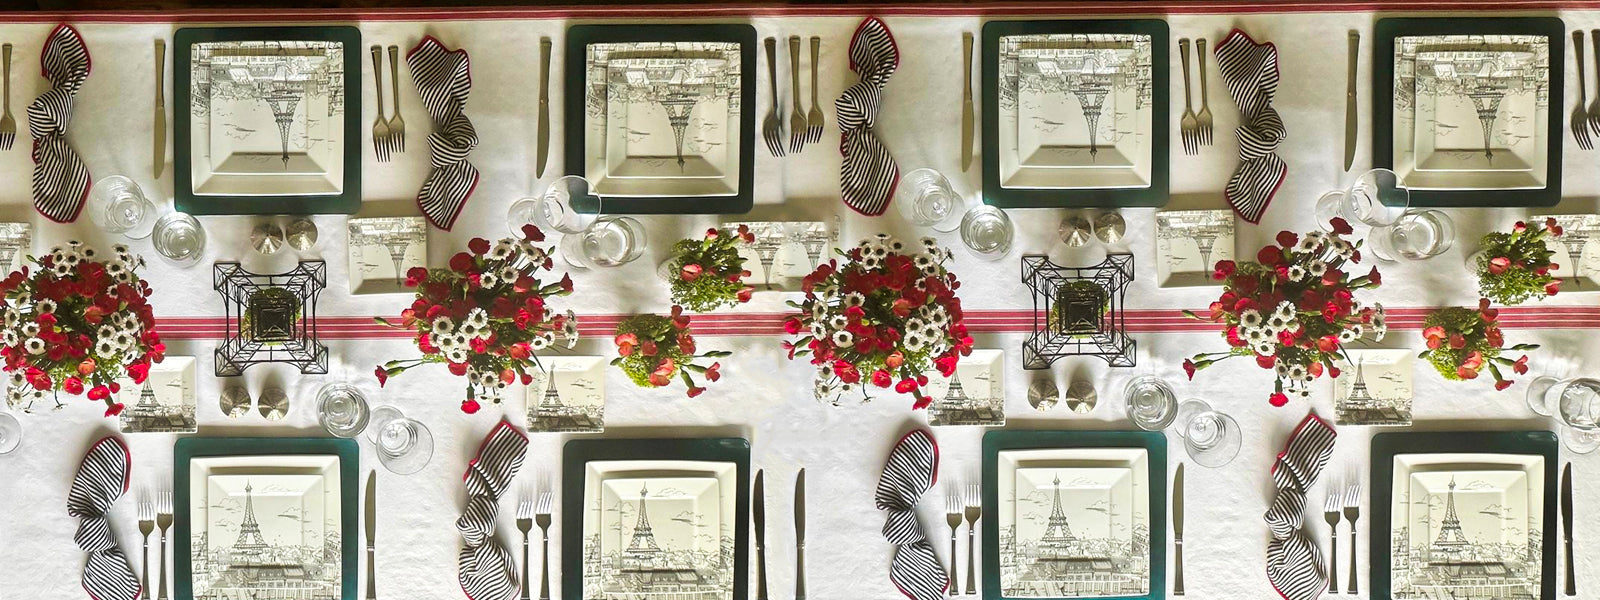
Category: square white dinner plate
[292,497]
[684,513]
[688,547]
[1499,515]
[1106,501]
[1188,245]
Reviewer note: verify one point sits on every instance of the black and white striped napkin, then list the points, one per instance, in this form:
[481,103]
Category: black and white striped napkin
[868,176]
[912,468]
[444,78]
[60,179]
[101,479]
[1250,71]
[487,570]
[1294,562]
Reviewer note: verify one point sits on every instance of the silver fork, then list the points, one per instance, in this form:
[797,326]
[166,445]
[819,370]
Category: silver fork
[814,119]
[1187,128]
[397,125]
[1594,105]
[164,521]
[547,499]
[974,512]
[1580,119]
[1330,512]
[953,505]
[147,524]
[525,524]
[1204,118]
[8,125]
[380,128]
[797,119]
[1352,511]
[772,127]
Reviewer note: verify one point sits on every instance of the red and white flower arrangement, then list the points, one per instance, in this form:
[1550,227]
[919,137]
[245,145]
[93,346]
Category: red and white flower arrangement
[708,273]
[1515,267]
[76,325]
[883,318]
[1294,309]
[655,350]
[1462,343]
[486,316]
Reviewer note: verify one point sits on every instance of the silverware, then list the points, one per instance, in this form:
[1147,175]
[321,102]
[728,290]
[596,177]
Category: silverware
[163,521]
[1188,127]
[371,514]
[541,516]
[814,118]
[797,119]
[147,524]
[758,513]
[800,531]
[1352,513]
[1570,587]
[1203,120]
[380,127]
[966,100]
[1594,105]
[397,125]
[1580,118]
[160,153]
[542,151]
[1350,101]
[772,126]
[1330,512]
[8,125]
[974,511]
[525,525]
[1177,532]
[952,516]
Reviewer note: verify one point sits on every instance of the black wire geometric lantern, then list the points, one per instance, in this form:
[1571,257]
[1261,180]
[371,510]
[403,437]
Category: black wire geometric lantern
[1077,311]
[270,318]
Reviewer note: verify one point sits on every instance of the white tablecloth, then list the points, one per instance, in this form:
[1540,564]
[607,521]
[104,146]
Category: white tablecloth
[763,396]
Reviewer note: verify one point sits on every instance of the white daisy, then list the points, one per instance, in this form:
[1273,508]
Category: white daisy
[1297,372]
[456,355]
[854,299]
[502,250]
[1282,370]
[1265,348]
[31,329]
[1318,268]
[488,279]
[1250,318]
[838,322]
[932,245]
[47,306]
[9,337]
[1347,335]
[444,325]
[843,339]
[538,343]
[34,346]
[1297,273]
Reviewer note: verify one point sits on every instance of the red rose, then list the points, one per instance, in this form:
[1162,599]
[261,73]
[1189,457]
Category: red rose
[72,385]
[1287,239]
[1502,384]
[1341,226]
[881,378]
[1278,399]
[1521,366]
[1499,265]
[1269,256]
[461,262]
[894,360]
[114,410]
[383,376]
[469,406]
[690,272]
[1188,368]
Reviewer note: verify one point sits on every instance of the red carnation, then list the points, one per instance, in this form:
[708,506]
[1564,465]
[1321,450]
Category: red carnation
[690,272]
[114,410]
[458,369]
[98,392]
[881,378]
[1287,239]
[1341,226]
[1224,269]
[1502,384]
[382,374]
[532,234]
[1189,368]
[138,372]
[696,391]
[1278,399]
[469,406]
[1269,256]
[72,385]
[1499,265]
[478,246]
[461,263]
[714,372]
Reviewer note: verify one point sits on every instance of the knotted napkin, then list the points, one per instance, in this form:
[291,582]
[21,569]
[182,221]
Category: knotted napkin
[912,468]
[1294,563]
[868,176]
[101,479]
[488,572]
[60,180]
[1250,70]
[444,78]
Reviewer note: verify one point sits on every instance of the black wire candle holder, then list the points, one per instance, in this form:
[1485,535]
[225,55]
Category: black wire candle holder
[270,318]
[1078,311]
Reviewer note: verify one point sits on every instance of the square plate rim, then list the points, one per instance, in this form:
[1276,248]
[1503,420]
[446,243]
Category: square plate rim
[349,456]
[1156,195]
[347,201]
[574,76]
[1382,104]
[1155,445]
[1388,444]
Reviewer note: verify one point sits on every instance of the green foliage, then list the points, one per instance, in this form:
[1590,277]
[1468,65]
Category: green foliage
[1521,280]
[721,277]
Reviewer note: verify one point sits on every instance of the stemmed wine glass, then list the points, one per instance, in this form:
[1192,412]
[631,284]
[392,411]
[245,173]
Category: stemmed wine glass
[604,241]
[118,205]
[404,444]
[987,231]
[1211,438]
[10,433]
[1576,403]
[1376,198]
[552,208]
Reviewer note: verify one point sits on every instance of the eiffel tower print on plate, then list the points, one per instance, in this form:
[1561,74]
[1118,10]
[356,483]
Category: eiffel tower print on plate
[382,250]
[265,518]
[568,396]
[1469,515]
[975,395]
[1376,389]
[16,241]
[261,125]
[659,116]
[1577,251]
[1188,245]
[785,251]
[164,403]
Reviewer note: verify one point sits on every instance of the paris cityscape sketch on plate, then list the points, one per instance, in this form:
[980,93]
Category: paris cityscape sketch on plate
[975,395]
[1472,102]
[1077,532]
[382,250]
[164,403]
[568,395]
[264,107]
[1376,390]
[1074,96]
[1579,244]
[1467,534]
[661,537]
[15,239]
[277,536]
[1189,243]
[785,251]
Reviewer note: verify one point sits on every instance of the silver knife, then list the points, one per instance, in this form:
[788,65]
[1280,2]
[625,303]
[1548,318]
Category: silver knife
[161,109]
[1177,532]
[758,513]
[1571,587]
[1350,102]
[800,535]
[966,101]
[544,108]
[372,524]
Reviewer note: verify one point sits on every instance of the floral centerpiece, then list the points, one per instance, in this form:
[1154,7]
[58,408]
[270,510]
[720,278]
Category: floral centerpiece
[885,316]
[708,273]
[77,324]
[1515,267]
[1294,309]
[486,316]
[1462,342]
[655,350]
